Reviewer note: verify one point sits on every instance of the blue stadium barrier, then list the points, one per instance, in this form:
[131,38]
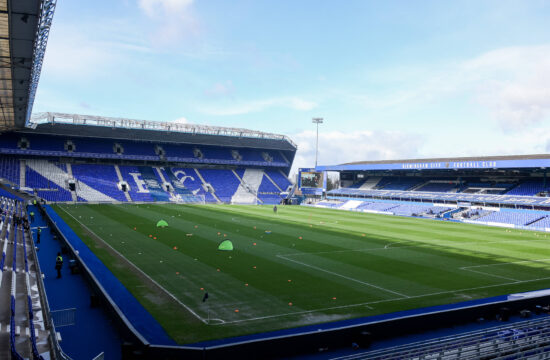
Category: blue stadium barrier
[125,304]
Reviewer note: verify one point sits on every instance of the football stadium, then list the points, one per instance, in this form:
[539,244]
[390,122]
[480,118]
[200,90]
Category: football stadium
[142,239]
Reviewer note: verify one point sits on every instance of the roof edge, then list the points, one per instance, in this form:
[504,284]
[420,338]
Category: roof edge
[133,124]
[454,159]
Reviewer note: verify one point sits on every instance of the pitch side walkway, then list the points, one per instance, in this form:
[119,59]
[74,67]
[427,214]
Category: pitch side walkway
[94,331]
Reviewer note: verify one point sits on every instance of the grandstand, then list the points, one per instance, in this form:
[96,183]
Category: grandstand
[109,167]
[502,187]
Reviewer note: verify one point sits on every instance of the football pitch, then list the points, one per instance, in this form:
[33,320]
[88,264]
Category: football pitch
[299,266]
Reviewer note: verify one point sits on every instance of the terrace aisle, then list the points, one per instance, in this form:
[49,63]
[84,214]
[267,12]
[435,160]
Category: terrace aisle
[94,330]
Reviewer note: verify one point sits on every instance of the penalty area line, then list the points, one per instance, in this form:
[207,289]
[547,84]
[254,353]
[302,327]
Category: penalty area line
[432,244]
[367,304]
[343,276]
[471,268]
[466,268]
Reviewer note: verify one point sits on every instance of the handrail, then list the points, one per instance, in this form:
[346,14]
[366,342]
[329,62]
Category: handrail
[13,349]
[452,342]
[48,323]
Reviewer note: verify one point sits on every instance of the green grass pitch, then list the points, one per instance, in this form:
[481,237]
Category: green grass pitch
[315,265]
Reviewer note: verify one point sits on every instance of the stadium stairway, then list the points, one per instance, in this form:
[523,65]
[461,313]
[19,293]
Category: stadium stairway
[71,176]
[273,182]
[205,184]
[248,187]
[419,186]
[157,170]
[370,183]
[121,180]
[22,172]
[351,204]
[88,193]
[284,157]
[94,331]
[49,171]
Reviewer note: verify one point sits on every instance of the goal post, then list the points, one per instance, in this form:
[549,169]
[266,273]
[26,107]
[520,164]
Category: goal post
[191,199]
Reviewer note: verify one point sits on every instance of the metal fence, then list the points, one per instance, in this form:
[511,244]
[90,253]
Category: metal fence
[523,337]
[64,317]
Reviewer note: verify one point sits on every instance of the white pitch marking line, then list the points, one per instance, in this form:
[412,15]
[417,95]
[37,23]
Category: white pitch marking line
[470,268]
[467,268]
[383,301]
[507,263]
[343,276]
[141,271]
[352,250]
[435,242]
[302,312]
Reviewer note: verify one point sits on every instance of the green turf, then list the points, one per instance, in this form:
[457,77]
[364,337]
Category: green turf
[316,265]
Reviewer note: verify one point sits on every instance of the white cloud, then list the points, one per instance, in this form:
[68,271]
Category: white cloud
[515,85]
[337,147]
[161,7]
[174,18]
[520,105]
[512,83]
[74,55]
[75,52]
[294,103]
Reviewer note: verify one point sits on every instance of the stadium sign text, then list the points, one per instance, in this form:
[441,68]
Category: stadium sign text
[451,165]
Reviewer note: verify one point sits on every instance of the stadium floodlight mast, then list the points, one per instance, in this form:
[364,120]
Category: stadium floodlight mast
[317,121]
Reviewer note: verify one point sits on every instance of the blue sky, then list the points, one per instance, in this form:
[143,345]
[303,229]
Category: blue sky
[393,79]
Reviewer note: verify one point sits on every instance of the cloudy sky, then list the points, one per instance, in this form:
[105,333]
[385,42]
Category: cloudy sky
[392,79]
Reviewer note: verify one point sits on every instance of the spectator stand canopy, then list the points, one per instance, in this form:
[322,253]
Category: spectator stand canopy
[536,161]
[101,126]
[24,30]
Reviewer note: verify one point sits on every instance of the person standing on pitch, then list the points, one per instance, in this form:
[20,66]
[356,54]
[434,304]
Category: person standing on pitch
[38,232]
[58,264]
[275,209]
